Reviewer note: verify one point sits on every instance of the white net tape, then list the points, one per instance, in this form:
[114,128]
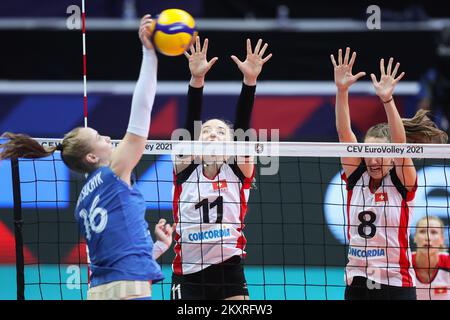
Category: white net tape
[288,149]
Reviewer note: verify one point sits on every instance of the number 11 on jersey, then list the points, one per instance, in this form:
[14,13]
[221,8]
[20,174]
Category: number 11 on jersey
[206,206]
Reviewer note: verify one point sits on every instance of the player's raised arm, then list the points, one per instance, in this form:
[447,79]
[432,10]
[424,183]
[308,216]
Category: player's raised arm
[344,79]
[199,67]
[384,88]
[129,151]
[251,68]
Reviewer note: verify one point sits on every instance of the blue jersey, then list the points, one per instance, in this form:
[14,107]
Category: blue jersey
[111,215]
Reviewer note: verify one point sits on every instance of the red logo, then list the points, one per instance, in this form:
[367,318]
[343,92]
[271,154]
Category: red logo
[440,290]
[218,185]
[381,197]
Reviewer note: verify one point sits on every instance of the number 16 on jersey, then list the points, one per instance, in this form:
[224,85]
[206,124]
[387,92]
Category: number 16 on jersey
[95,220]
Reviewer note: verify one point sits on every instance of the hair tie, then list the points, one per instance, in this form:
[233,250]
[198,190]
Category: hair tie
[59,147]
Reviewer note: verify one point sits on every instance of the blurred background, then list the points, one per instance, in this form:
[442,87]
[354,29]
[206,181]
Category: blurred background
[41,94]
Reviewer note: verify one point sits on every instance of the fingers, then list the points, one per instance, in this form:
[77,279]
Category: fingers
[145,18]
[261,53]
[197,44]
[340,56]
[168,229]
[374,79]
[383,73]
[333,61]
[399,77]
[267,58]
[161,223]
[213,60]
[352,61]
[394,73]
[205,46]
[192,49]
[249,47]
[347,55]
[146,25]
[187,55]
[360,75]
[236,60]
[258,46]
[389,67]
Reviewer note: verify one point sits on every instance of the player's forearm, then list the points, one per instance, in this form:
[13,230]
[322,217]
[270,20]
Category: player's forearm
[144,95]
[194,109]
[245,107]
[343,122]
[395,122]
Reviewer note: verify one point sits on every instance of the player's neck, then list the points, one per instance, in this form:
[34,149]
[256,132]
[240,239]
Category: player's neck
[426,265]
[374,184]
[426,259]
[210,170]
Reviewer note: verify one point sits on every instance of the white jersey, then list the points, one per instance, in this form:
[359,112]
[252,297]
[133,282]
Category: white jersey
[209,216]
[439,286]
[378,229]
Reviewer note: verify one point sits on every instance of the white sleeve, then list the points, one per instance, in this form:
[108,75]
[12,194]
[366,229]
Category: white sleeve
[144,95]
[159,248]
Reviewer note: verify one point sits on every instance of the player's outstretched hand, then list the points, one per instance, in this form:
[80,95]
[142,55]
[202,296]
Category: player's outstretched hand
[145,31]
[385,87]
[163,232]
[343,74]
[254,61]
[198,63]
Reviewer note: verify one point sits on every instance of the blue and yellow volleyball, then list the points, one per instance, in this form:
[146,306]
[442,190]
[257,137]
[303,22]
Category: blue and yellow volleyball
[174,32]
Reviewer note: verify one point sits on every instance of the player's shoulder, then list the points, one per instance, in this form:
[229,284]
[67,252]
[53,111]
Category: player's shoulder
[444,261]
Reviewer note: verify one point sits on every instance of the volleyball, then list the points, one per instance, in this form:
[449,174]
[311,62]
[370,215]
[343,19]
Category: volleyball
[174,32]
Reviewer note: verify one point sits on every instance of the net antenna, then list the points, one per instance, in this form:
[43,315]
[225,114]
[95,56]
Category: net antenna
[85,101]
[83,21]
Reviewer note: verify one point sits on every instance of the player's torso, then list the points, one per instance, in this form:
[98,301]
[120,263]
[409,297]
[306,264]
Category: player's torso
[222,194]
[210,217]
[378,231]
[374,217]
[111,216]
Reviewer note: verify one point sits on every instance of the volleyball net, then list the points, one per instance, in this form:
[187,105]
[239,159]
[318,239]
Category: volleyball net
[295,225]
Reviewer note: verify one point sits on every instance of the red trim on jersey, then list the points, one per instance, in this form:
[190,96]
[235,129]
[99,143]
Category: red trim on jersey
[241,242]
[177,264]
[403,242]
[248,181]
[444,261]
[349,200]
[344,177]
[411,194]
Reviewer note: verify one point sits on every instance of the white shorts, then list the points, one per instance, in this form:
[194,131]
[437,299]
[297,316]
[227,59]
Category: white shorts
[120,290]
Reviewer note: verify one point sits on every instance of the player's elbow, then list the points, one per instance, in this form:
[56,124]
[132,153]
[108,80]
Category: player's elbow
[346,135]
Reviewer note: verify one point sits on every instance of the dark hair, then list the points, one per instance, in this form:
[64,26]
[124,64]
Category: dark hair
[227,122]
[418,129]
[73,149]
